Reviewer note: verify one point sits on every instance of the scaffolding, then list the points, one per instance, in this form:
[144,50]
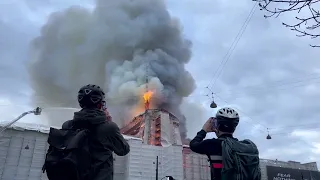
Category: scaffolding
[196,166]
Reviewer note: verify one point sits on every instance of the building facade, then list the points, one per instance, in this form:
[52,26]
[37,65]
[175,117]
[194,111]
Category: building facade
[23,148]
[291,170]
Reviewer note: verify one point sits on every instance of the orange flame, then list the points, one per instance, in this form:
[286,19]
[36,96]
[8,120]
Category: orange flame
[147,96]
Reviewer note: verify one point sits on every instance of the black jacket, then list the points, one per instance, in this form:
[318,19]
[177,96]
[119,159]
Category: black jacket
[210,147]
[105,139]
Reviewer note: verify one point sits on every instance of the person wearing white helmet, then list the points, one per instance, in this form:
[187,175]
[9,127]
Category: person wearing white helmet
[227,120]
[221,150]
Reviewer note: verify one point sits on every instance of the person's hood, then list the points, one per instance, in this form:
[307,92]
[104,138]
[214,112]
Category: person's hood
[91,116]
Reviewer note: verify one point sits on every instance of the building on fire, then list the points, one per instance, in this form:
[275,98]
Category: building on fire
[23,148]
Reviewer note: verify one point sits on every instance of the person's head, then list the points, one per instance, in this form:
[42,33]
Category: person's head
[227,121]
[91,97]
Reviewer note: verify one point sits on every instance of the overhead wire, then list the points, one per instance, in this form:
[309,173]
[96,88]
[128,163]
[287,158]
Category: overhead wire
[269,130]
[285,86]
[266,91]
[283,133]
[227,57]
[257,123]
[268,88]
[233,46]
[294,126]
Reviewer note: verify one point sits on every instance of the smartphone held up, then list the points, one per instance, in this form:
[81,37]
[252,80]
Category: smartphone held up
[213,123]
[105,110]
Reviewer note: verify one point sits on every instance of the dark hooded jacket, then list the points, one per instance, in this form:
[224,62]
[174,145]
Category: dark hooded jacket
[105,139]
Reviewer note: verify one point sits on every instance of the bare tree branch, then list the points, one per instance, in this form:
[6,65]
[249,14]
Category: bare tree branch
[305,26]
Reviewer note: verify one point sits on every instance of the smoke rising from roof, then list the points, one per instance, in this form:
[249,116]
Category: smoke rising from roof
[116,45]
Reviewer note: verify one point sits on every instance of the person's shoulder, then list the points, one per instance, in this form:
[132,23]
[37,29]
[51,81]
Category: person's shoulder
[108,126]
[67,124]
[248,141]
[212,141]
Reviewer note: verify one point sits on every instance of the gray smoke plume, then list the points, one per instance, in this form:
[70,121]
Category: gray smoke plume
[117,45]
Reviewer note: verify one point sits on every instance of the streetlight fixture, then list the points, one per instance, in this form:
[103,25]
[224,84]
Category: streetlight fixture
[268,136]
[213,104]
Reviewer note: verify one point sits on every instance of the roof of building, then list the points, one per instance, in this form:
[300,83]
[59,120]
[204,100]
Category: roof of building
[163,110]
[41,128]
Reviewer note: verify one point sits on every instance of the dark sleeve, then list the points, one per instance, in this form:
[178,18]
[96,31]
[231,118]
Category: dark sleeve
[199,145]
[119,145]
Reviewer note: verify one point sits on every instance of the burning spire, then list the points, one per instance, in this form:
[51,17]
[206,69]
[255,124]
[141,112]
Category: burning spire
[146,97]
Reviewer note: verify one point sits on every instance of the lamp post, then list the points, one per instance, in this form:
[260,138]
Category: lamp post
[157,168]
[157,171]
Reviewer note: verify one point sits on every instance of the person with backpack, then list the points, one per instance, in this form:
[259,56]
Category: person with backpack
[82,149]
[229,158]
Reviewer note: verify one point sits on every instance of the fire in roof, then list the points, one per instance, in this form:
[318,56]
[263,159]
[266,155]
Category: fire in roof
[156,127]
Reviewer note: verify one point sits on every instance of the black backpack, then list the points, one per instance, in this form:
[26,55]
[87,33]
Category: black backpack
[240,160]
[68,156]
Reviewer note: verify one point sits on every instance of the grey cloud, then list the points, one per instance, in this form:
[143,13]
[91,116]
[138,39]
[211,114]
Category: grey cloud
[19,24]
[13,75]
[139,35]
[266,53]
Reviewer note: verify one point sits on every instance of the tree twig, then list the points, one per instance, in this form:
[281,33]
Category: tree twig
[305,26]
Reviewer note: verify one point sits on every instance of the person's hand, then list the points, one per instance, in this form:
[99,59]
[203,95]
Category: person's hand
[109,118]
[208,126]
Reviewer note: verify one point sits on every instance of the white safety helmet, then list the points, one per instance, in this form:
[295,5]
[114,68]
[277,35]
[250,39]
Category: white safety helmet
[227,113]
[227,119]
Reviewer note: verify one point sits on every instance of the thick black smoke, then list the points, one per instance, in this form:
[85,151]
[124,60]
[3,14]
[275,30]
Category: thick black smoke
[117,45]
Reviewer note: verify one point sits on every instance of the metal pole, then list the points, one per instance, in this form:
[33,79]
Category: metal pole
[157,168]
[15,120]
[36,111]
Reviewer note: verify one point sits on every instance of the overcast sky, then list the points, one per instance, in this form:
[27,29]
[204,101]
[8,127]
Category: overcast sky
[272,77]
